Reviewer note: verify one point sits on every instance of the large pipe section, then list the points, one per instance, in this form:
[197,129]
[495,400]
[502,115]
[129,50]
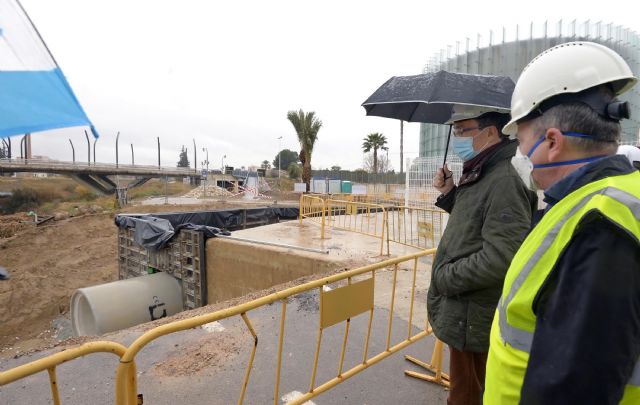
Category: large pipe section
[121,304]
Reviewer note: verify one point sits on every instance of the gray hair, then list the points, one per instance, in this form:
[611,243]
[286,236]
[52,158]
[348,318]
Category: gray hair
[579,117]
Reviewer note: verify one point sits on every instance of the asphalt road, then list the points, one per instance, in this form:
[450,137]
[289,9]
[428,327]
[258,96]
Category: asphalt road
[90,380]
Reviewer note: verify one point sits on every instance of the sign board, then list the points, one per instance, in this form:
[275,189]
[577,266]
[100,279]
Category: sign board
[359,189]
[299,187]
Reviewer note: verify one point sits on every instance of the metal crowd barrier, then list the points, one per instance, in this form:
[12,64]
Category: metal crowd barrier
[337,306]
[364,218]
[418,227]
[352,295]
[50,363]
[313,208]
[421,228]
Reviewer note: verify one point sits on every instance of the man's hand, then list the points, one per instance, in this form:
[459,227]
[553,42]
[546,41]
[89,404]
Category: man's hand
[443,180]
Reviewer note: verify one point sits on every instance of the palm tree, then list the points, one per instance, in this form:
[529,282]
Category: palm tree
[374,141]
[307,127]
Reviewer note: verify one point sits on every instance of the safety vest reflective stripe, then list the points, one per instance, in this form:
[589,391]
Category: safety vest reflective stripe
[522,339]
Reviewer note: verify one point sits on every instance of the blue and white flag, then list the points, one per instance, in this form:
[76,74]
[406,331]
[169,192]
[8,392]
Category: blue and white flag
[34,94]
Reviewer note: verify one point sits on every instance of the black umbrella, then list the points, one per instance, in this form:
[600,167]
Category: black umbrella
[430,97]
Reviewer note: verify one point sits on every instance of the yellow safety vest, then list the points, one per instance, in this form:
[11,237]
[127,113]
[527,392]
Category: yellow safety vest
[514,323]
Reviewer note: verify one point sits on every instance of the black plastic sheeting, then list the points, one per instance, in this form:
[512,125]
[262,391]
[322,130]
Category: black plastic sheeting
[230,219]
[155,231]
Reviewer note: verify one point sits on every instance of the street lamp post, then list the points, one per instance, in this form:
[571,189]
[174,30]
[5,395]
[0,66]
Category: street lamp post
[117,137]
[206,163]
[279,158]
[223,157]
[73,150]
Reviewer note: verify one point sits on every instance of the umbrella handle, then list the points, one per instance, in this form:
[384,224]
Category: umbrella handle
[446,150]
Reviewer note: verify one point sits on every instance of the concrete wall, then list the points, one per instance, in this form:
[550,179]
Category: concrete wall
[236,268]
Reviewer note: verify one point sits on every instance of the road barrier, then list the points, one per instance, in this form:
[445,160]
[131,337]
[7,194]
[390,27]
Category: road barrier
[418,227]
[364,218]
[50,363]
[421,228]
[352,294]
[337,306]
[314,209]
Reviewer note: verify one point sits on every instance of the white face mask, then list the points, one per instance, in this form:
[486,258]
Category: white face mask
[524,167]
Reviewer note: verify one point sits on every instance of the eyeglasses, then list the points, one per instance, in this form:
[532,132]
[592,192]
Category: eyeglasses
[458,131]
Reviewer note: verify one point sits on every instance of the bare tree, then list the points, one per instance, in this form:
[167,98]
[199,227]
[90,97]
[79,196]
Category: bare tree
[384,165]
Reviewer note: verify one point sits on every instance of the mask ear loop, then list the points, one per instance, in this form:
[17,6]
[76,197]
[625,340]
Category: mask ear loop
[486,143]
[535,146]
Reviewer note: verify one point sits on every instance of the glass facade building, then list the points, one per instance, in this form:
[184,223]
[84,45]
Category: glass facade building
[508,53]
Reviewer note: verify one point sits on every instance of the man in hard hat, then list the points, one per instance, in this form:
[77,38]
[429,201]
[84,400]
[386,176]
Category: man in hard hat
[632,153]
[567,328]
[491,212]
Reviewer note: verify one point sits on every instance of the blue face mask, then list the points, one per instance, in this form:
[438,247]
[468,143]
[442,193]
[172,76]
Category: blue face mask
[463,147]
[566,162]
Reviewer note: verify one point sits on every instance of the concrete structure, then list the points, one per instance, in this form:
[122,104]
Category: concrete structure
[237,268]
[507,55]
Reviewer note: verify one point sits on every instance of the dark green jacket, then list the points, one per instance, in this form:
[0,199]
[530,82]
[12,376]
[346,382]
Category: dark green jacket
[490,217]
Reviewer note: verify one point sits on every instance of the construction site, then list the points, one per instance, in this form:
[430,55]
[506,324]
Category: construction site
[135,284]
[280,277]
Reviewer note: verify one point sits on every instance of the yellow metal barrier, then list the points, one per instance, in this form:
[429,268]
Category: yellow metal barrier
[313,208]
[50,363]
[337,306]
[363,218]
[418,227]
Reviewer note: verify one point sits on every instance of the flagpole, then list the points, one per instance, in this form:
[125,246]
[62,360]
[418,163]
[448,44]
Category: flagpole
[38,33]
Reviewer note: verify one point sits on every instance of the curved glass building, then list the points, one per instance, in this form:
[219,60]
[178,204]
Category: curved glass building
[507,55]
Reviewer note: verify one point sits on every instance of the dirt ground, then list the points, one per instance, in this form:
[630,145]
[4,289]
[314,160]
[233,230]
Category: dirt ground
[46,264]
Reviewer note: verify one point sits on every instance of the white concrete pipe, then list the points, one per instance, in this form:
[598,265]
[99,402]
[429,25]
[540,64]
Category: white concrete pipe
[121,304]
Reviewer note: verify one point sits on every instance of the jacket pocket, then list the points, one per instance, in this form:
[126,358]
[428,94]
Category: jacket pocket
[479,319]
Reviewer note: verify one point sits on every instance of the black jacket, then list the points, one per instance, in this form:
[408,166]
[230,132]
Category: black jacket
[587,337]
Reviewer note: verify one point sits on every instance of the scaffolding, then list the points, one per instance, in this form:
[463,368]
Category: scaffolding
[507,54]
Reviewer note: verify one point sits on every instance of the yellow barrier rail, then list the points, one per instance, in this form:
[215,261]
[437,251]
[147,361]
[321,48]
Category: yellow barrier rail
[313,208]
[418,227]
[50,363]
[364,218]
[421,228]
[337,306]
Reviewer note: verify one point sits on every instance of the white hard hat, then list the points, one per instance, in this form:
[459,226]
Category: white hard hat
[567,68]
[463,112]
[631,152]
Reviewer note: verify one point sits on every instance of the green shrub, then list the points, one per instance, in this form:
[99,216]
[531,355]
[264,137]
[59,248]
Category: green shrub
[22,199]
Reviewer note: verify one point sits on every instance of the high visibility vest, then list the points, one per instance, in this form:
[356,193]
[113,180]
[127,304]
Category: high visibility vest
[618,198]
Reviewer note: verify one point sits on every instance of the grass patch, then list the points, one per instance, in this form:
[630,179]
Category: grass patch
[156,188]
[47,195]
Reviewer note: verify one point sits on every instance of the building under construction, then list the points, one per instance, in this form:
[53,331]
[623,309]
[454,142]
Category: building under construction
[507,53]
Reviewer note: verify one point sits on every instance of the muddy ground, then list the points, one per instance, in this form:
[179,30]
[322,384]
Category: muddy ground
[47,263]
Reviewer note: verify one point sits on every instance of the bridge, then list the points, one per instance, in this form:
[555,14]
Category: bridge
[97,176]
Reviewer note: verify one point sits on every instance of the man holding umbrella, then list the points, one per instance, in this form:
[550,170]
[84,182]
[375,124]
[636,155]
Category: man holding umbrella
[491,212]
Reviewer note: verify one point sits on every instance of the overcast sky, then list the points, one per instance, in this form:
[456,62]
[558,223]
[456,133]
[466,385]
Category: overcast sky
[225,73]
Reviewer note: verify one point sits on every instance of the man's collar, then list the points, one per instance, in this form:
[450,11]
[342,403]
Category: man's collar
[606,167]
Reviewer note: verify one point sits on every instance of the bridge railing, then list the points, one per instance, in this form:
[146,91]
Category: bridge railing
[49,163]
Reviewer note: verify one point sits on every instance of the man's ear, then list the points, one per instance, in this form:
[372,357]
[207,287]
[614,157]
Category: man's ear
[557,144]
